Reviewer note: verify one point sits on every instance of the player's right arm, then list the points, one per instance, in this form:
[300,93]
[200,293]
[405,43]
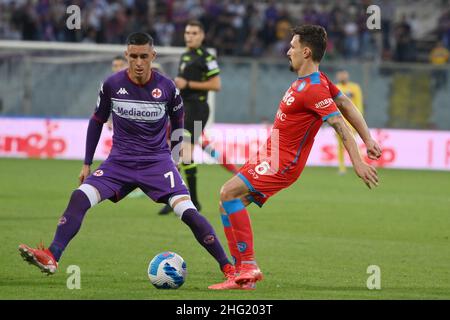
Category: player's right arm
[176,116]
[319,100]
[352,114]
[100,116]
[365,171]
[355,118]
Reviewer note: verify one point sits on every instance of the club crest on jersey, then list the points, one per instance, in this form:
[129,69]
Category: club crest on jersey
[301,86]
[98,173]
[156,93]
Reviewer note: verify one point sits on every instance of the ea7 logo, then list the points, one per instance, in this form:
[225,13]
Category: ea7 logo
[288,99]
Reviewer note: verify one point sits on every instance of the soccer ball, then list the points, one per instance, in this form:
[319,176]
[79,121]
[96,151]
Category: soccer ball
[167,270]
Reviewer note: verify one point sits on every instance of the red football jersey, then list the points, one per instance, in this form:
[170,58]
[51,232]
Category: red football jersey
[304,107]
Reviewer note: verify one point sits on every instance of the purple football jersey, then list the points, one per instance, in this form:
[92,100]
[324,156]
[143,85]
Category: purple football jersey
[139,114]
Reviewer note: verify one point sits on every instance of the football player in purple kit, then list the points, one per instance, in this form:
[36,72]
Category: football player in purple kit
[142,101]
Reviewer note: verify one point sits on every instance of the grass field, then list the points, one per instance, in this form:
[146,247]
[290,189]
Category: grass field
[313,241]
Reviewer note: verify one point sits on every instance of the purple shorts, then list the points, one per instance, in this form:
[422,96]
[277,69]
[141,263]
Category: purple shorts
[158,179]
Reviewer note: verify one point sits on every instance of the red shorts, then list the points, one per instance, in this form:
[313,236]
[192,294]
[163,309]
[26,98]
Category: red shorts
[263,186]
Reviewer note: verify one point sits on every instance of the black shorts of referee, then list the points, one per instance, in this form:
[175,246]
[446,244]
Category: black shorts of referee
[195,119]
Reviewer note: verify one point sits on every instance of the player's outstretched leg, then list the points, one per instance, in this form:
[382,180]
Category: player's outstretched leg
[202,230]
[47,259]
[232,243]
[239,234]
[234,203]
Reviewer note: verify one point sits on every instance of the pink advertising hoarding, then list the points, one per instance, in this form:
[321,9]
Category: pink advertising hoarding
[65,139]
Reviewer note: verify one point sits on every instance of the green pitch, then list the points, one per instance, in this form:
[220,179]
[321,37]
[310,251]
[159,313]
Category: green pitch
[313,241]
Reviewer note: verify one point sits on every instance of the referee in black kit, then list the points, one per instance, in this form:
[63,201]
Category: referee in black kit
[198,73]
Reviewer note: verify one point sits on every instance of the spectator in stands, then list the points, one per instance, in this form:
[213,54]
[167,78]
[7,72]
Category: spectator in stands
[257,26]
[439,56]
[404,50]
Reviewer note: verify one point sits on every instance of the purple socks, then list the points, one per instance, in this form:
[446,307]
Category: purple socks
[205,235]
[70,222]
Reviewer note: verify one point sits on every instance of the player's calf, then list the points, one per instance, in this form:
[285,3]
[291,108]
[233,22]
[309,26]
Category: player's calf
[200,227]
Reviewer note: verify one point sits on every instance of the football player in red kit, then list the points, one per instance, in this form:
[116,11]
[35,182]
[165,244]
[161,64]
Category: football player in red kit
[310,100]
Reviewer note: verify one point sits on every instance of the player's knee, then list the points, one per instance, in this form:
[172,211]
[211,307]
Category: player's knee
[180,204]
[226,194]
[91,193]
[173,201]
[221,209]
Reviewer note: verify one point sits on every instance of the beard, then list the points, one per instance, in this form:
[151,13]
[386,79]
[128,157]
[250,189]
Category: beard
[291,68]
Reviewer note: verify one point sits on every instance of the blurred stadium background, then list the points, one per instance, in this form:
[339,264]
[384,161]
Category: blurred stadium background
[49,80]
[402,68]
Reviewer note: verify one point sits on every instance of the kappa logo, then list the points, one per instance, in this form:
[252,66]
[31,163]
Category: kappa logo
[178,107]
[156,93]
[98,173]
[122,91]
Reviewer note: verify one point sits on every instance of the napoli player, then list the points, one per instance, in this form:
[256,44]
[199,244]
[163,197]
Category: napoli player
[310,100]
[141,101]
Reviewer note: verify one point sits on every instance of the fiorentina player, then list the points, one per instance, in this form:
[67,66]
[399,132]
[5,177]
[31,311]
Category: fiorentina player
[141,101]
[309,101]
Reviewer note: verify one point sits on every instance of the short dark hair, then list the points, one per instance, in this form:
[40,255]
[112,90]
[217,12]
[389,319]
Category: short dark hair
[120,58]
[196,23]
[314,37]
[139,38]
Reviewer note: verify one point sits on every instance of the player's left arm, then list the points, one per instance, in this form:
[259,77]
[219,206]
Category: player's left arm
[355,118]
[365,171]
[175,109]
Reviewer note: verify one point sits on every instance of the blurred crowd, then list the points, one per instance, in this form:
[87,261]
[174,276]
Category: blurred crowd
[233,27]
